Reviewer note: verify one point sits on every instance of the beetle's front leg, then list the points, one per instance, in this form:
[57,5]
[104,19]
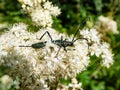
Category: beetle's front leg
[65,49]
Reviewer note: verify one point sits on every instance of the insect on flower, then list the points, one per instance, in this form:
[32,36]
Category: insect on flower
[60,42]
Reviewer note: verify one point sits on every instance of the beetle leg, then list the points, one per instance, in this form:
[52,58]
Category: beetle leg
[24,46]
[48,35]
[65,49]
[57,52]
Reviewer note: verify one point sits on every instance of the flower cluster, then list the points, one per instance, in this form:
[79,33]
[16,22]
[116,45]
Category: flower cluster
[7,83]
[40,11]
[107,25]
[97,47]
[40,68]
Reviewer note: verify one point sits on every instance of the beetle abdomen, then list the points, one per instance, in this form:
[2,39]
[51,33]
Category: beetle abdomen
[39,45]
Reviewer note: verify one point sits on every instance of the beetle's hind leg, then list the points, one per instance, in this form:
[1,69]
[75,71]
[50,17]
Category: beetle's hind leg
[48,35]
[24,46]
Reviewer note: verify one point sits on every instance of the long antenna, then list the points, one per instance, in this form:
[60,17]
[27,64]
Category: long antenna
[81,24]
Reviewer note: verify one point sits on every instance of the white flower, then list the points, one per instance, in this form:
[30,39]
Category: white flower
[33,65]
[91,35]
[41,11]
[106,55]
[75,85]
[95,49]
[39,69]
[108,24]
[42,17]
[47,5]
[6,81]
[54,10]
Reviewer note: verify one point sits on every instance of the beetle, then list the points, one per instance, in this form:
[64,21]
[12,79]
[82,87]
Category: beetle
[60,42]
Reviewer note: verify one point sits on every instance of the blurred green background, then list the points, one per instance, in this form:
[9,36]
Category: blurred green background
[73,11]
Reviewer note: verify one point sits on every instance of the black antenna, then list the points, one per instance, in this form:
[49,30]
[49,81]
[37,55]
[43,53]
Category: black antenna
[81,24]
